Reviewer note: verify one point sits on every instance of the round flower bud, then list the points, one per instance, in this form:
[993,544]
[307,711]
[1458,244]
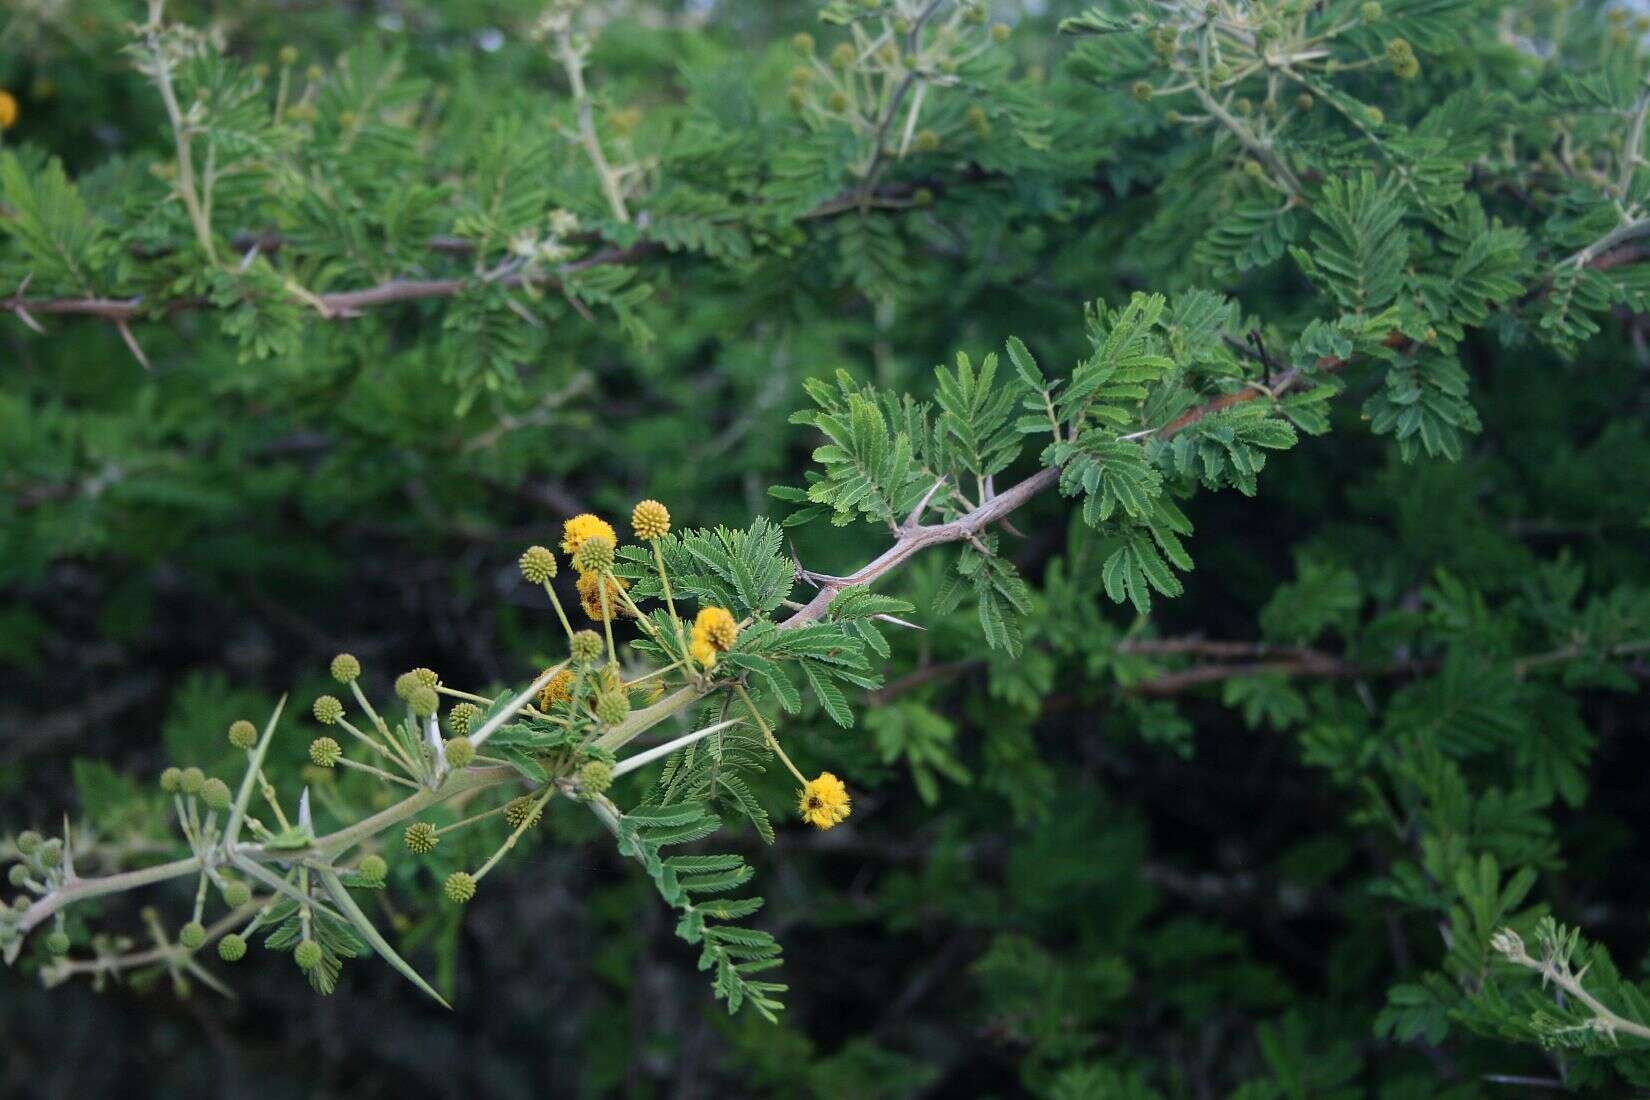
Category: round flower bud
[594,555]
[596,776]
[1253,168]
[420,838]
[802,42]
[328,709]
[843,55]
[837,101]
[460,751]
[926,141]
[462,716]
[193,780]
[1303,101]
[232,948]
[1000,32]
[58,943]
[192,935]
[424,701]
[405,684]
[1375,115]
[307,955]
[1371,12]
[288,55]
[28,841]
[51,853]
[586,646]
[170,780]
[18,874]
[243,734]
[650,520]
[236,894]
[460,887]
[538,564]
[522,809]
[427,676]
[345,668]
[373,869]
[216,794]
[612,707]
[1142,91]
[324,752]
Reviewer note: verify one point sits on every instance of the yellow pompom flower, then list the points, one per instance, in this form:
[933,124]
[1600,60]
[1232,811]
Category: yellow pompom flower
[717,626]
[824,801]
[590,594]
[650,520]
[559,689]
[8,109]
[581,527]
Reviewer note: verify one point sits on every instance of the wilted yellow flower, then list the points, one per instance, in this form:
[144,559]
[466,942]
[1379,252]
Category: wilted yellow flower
[581,527]
[824,801]
[590,594]
[558,690]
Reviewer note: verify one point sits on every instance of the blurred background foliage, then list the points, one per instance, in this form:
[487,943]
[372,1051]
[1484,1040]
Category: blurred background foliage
[1068,875]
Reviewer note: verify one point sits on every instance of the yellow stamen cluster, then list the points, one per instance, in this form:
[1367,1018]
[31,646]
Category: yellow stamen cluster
[8,109]
[824,801]
[559,689]
[714,631]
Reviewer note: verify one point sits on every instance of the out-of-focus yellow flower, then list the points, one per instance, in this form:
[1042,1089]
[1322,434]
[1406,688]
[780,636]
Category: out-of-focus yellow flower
[581,527]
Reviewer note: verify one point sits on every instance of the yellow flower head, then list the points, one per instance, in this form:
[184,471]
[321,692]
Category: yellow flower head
[824,801]
[703,652]
[559,689]
[591,597]
[8,109]
[581,527]
[717,626]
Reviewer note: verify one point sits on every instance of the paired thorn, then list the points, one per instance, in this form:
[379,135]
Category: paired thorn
[913,520]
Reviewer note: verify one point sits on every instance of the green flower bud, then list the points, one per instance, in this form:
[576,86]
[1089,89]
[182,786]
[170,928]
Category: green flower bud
[236,894]
[802,42]
[1303,101]
[327,710]
[243,734]
[612,707]
[596,776]
[28,841]
[216,794]
[193,780]
[538,564]
[427,676]
[922,196]
[837,101]
[1143,91]
[51,853]
[424,701]
[522,809]
[373,869]
[460,751]
[324,752]
[232,948]
[18,874]
[420,838]
[345,668]
[192,935]
[460,718]
[1371,12]
[288,55]
[170,780]
[406,684]
[1000,33]
[586,646]
[307,955]
[58,943]
[594,555]
[843,55]
[460,887]
[927,141]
